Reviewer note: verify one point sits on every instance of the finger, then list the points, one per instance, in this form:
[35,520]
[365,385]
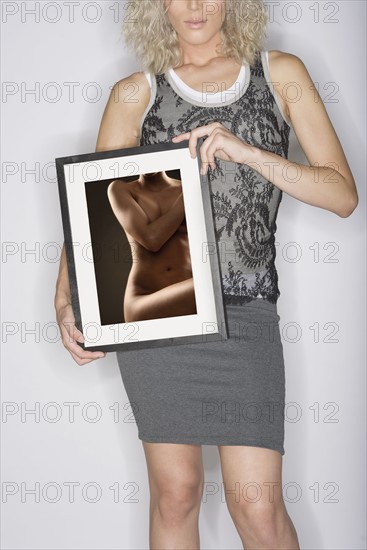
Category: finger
[192,144]
[181,137]
[79,361]
[204,168]
[199,132]
[71,345]
[67,327]
[195,134]
[205,160]
[74,334]
[84,354]
[79,352]
[211,152]
[71,332]
[191,139]
[215,142]
[77,335]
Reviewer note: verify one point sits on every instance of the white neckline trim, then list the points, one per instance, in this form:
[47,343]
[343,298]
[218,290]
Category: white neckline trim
[210,97]
[223,97]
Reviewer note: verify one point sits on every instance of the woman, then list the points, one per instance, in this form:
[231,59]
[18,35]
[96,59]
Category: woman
[151,212]
[211,79]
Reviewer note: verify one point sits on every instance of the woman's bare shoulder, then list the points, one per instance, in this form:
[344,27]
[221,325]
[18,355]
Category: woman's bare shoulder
[118,188]
[287,69]
[137,77]
[120,124]
[132,89]
[284,64]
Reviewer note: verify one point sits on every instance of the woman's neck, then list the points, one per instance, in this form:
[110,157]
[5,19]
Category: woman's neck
[200,55]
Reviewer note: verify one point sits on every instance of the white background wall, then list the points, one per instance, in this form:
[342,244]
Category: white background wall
[325,438]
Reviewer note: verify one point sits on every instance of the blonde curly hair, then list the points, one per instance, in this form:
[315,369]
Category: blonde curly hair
[148,32]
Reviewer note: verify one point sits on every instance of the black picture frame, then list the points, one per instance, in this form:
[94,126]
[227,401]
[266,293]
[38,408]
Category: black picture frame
[90,227]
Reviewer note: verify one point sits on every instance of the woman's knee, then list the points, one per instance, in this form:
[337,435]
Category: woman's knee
[177,496]
[176,503]
[264,521]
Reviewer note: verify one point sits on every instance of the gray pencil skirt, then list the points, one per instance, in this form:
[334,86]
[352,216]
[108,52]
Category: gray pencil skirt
[229,392]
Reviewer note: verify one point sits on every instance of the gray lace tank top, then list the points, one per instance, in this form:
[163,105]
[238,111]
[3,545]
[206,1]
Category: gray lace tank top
[244,203]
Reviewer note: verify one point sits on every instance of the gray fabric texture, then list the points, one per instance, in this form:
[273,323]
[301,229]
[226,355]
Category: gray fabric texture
[229,392]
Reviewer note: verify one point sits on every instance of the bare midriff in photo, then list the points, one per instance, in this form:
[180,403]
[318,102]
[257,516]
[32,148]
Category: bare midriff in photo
[160,282]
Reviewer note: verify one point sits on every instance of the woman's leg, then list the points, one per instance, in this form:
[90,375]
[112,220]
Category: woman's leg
[176,477]
[171,301]
[252,478]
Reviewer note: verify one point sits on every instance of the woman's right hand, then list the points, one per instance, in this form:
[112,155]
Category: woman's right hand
[69,334]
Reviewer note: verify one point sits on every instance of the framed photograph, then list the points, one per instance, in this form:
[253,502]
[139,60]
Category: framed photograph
[142,257]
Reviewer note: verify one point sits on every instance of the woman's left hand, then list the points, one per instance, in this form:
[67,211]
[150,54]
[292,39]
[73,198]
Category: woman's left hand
[220,143]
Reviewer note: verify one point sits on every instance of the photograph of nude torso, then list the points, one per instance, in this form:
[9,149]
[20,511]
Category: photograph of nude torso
[151,212]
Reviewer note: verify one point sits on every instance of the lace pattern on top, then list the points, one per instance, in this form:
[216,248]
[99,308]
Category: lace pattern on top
[244,202]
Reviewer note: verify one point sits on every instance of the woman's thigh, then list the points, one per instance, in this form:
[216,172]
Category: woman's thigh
[252,477]
[176,469]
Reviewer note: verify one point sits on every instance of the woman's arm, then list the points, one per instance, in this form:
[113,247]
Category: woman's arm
[327,183]
[133,219]
[119,128]
[62,293]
